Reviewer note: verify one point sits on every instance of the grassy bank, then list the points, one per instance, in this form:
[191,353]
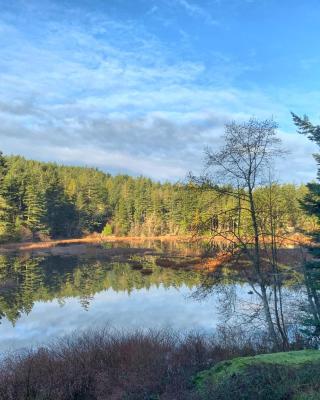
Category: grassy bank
[291,375]
[152,365]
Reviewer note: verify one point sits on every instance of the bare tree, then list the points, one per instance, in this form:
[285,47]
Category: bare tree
[235,171]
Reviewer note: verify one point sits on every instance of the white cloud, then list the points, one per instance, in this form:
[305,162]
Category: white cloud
[111,95]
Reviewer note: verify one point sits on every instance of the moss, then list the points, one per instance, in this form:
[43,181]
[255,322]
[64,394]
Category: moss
[311,395]
[238,366]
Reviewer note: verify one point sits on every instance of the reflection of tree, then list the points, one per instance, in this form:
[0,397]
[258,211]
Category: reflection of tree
[238,289]
[27,280]
[18,273]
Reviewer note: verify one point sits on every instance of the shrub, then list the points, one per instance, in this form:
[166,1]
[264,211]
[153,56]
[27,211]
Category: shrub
[112,365]
[107,230]
[155,365]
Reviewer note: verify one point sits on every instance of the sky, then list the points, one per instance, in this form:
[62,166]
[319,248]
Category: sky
[143,86]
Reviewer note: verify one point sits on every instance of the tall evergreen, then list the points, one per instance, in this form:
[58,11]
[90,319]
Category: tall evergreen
[3,167]
[35,210]
[6,223]
[61,215]
[311,204]
[312,200]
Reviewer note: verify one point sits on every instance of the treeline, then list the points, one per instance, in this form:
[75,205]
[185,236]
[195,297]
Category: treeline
[45,200]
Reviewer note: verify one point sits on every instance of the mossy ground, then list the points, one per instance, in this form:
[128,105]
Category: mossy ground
[290,375]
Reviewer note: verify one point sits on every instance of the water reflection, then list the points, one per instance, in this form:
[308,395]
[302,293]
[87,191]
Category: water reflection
[25,281]
[289,293]
[43,297]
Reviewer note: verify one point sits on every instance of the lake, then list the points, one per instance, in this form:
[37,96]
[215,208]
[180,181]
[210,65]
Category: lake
[45,296]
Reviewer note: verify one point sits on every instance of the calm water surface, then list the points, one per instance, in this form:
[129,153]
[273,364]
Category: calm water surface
[45,297]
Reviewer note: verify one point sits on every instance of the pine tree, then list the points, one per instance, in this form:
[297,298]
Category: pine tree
[3,168]
[6,223]
[311,205]
[35,210]
[312,200]
[6,211]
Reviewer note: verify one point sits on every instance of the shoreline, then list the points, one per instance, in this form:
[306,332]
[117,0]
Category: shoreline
[90,240]
[97,239]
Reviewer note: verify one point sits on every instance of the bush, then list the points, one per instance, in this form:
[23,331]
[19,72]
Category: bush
[157,365]
[111,365]
[107,230]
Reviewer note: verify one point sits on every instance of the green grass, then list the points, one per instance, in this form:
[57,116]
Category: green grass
[238,365]
[292,375]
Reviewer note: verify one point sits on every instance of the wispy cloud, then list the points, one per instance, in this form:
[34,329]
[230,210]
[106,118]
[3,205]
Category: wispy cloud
[86,88]
[196,11]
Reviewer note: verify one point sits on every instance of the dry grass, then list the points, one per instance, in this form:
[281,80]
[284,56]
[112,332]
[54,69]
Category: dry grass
[296,239]
[91,239]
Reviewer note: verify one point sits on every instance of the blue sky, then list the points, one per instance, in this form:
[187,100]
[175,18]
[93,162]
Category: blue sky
[143,86]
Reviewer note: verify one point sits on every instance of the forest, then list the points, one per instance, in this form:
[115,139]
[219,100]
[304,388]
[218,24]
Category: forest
[39,201]
[267,279]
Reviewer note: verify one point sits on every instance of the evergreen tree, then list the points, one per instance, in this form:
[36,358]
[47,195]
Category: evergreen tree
[61,216]
[311,205]
[6,223]
[35,210]
[312,200]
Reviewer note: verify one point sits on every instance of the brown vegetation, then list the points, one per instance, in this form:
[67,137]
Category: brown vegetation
[91,239]
[105,365]
[95,239]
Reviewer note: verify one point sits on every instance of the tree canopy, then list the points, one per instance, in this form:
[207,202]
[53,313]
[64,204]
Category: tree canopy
[45,200]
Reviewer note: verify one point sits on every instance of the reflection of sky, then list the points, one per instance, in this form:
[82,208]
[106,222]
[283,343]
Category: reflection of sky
[153,308]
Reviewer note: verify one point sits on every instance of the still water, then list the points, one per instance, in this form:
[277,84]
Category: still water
[43,297]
